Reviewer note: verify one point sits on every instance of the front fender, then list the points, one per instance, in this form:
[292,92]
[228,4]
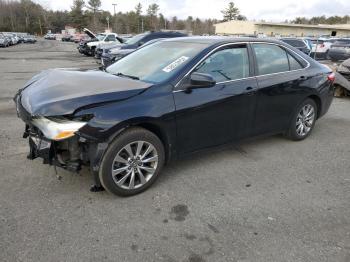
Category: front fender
[149,108]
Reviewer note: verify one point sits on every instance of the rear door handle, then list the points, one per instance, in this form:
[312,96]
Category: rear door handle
[302,77]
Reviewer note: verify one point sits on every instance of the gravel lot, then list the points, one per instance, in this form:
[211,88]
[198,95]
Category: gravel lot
[266,200]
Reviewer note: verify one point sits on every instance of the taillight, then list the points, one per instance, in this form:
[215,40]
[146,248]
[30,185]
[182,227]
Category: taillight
[331,77]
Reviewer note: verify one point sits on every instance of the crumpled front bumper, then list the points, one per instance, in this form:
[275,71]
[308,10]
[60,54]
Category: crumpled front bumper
[40,147]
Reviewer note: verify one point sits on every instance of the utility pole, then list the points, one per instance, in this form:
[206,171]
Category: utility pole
[114,5]
[115,17]
[107,18]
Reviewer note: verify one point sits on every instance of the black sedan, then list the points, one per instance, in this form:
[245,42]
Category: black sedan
[167,100]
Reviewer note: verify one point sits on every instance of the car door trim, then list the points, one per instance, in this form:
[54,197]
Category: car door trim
[255,76]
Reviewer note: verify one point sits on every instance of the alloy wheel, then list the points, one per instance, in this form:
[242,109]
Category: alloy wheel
[305,120]
[134,165]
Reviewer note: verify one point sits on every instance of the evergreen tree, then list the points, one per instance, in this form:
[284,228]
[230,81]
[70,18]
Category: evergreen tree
[77,13]
[231,12]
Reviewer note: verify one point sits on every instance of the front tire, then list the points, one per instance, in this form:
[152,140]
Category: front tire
[132,162]
[303,120]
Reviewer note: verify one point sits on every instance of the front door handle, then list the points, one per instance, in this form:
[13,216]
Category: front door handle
[250,90]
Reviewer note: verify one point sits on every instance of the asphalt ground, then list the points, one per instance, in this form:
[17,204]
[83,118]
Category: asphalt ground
[269,199]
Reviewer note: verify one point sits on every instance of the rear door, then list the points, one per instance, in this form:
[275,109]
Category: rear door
[280,76]
[213,116]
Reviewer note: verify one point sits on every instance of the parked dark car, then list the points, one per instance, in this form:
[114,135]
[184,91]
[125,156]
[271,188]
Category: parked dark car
[298,44]
[340,50]
[67,38]
[167,100]
[29,39]
[108,56]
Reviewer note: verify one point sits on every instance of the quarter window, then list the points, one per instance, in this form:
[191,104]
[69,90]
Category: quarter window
[270,59]
[293,63]
[227,64]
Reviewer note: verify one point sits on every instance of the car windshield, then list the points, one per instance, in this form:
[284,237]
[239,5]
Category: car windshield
[160,61]
[135,39]
[100,37]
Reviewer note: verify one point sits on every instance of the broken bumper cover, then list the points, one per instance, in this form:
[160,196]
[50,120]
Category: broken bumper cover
[40,147]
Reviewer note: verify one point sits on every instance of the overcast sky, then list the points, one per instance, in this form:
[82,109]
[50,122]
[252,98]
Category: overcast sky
[269,10]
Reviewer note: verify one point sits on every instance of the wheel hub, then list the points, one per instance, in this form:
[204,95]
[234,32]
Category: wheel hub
[134,165]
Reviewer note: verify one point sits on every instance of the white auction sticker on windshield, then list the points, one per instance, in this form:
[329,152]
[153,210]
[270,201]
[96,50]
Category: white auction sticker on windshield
[175,64]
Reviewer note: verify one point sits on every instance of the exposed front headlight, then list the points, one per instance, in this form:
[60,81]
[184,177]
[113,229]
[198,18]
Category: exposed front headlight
[58,129]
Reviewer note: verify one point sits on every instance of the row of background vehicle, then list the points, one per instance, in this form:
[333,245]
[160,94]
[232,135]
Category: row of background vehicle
[324,47]
[10,38]
[110,47]
[107,48]
[105,44]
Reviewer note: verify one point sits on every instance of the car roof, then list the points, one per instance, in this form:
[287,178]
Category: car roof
[220,39]
[291,38]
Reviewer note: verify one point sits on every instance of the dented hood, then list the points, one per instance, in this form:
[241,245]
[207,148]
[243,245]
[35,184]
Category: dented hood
[63,91]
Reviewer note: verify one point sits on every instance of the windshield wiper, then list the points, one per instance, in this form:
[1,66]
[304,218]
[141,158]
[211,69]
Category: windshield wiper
[129,76]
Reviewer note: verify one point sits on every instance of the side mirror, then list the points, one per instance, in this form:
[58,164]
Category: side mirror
[199,80]
[141,43]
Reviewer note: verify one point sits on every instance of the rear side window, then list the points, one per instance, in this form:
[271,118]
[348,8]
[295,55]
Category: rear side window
[227,64]
[270,59]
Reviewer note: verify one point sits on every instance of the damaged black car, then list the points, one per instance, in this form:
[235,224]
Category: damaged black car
[167,100]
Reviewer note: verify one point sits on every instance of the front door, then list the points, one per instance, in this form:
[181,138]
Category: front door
[217,115]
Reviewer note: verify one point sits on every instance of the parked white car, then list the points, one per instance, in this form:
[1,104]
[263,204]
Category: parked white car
[321,46]
[104,38]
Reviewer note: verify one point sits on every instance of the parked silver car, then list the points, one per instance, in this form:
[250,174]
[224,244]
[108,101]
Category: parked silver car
[4,42]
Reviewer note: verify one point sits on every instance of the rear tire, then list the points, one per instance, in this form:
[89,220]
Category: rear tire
[303,120]
[132,162]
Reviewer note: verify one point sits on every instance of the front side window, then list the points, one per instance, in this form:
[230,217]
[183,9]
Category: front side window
[227,64]
[270,59]
[100,37]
